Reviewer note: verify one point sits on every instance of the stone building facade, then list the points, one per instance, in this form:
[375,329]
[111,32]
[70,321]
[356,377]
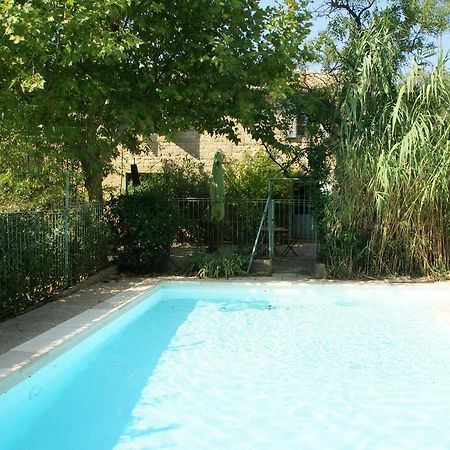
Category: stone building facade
[201,147]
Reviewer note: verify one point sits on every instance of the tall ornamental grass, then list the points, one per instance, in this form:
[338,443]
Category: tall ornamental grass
[390,209]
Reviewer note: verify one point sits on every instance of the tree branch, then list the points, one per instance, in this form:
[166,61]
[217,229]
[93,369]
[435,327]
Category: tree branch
[272,157]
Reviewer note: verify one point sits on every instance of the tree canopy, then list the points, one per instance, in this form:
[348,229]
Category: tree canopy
[96,74]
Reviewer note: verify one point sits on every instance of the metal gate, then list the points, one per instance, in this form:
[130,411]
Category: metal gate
[285,227]
[289,223]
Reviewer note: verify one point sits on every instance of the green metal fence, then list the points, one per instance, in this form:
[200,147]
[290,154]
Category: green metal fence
[292,220]
[42,252]
[238,228]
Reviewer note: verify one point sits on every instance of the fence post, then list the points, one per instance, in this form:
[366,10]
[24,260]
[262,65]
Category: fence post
[266,208]
[271,229]
[271,220]
[66,230]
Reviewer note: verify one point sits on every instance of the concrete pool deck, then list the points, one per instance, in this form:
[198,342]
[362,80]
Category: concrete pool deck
[27,342]
[20,329]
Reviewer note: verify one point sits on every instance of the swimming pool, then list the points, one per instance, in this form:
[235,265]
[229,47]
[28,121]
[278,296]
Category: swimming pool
[249,366]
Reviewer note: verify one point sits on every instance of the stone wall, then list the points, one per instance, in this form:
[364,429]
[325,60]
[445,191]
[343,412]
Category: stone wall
[189,144]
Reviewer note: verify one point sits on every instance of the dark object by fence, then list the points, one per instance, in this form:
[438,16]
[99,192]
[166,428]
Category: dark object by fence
[135,178]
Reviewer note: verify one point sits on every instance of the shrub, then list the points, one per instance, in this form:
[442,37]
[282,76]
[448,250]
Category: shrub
[249,178]
[177,179]
[145,225]
[217,265]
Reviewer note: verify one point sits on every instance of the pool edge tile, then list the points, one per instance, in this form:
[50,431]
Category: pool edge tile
[12,358]
[59,339]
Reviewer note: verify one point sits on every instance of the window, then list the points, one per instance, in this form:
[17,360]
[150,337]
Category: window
[298,127]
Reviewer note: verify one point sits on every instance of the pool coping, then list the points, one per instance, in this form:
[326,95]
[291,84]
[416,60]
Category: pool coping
[28,357]
[23,360]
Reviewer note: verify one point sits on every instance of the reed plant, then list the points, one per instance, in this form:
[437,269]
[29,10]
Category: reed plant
[389,213]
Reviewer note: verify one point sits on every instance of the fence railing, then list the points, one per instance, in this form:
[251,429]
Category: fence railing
[42,252]
[292,220]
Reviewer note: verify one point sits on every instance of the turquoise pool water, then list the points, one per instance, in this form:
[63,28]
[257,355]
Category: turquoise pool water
[245,366]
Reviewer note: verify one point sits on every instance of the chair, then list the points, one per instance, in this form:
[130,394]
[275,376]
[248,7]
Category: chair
[290,247]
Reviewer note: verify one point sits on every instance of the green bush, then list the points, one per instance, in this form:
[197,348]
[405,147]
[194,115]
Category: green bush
[177,179]
[145,225]
[217,265]
[248,179]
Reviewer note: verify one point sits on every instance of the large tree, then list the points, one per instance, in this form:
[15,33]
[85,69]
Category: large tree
[413,24]
[102,73]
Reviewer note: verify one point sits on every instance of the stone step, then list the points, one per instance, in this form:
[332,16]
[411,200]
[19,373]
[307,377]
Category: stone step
[299,265]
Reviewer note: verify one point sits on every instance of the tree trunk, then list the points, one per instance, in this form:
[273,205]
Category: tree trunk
[93,178]
[93,184]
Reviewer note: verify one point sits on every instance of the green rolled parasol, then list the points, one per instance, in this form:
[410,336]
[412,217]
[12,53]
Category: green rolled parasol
[217,189]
